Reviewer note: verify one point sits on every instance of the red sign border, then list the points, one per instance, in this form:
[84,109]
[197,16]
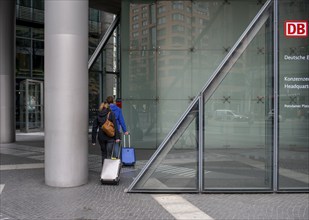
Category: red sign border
[303,21]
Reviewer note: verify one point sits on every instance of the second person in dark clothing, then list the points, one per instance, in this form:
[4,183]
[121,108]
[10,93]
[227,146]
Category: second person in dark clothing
[106,142]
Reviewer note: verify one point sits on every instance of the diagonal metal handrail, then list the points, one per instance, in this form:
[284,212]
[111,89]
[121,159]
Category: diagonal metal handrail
[103,41]
[207,91]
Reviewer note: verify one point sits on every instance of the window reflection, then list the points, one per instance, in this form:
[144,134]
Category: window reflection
[293,112]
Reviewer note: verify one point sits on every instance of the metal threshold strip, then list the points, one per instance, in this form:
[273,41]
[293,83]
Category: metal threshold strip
[103,41]
[194,110]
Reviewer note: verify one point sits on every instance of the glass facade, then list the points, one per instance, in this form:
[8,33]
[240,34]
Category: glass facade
[293,100]
[30,54]
[247,135]
[29,57]
[104,73]
[209,84]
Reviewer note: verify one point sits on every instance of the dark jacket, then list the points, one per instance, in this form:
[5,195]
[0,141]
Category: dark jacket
[99,121]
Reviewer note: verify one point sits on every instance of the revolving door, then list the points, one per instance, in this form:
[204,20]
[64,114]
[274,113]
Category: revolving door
[31,106]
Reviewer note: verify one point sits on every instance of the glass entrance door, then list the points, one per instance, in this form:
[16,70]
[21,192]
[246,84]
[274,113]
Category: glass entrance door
[31,106]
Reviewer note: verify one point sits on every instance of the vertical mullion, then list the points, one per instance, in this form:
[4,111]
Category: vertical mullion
[201,144]
[27,103]
[275,127]
[42,105]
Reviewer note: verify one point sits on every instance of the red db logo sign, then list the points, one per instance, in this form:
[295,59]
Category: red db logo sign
[296,28]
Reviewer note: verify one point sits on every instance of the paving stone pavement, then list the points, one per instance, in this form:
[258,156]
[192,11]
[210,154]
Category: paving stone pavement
[25,196]
[253,206]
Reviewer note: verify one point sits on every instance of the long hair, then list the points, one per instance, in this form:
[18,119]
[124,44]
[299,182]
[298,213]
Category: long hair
[110,99]
[103,105]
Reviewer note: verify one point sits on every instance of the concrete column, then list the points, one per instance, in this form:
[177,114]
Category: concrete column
[66,93]
[7,71]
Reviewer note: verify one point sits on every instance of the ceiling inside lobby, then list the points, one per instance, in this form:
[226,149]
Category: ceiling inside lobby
[111,6]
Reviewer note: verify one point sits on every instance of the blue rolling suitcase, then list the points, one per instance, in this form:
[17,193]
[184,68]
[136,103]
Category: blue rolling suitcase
[127,153]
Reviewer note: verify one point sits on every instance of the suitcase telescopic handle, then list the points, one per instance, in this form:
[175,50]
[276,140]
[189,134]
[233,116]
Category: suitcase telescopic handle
[124,140]
[119,149]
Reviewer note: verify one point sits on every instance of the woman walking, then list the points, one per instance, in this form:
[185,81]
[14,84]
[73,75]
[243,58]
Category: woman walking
[106,142]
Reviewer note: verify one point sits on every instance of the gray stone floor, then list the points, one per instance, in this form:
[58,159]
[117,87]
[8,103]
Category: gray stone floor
[24,195]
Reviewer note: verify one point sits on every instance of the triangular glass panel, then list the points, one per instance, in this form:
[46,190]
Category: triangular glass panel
[175,165]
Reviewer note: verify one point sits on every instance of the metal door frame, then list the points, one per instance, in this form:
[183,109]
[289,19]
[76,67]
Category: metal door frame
[26,128]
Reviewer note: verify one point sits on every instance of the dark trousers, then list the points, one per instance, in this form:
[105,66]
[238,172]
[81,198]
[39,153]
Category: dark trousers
[106,148]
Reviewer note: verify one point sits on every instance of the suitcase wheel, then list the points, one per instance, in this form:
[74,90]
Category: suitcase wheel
[115,182]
